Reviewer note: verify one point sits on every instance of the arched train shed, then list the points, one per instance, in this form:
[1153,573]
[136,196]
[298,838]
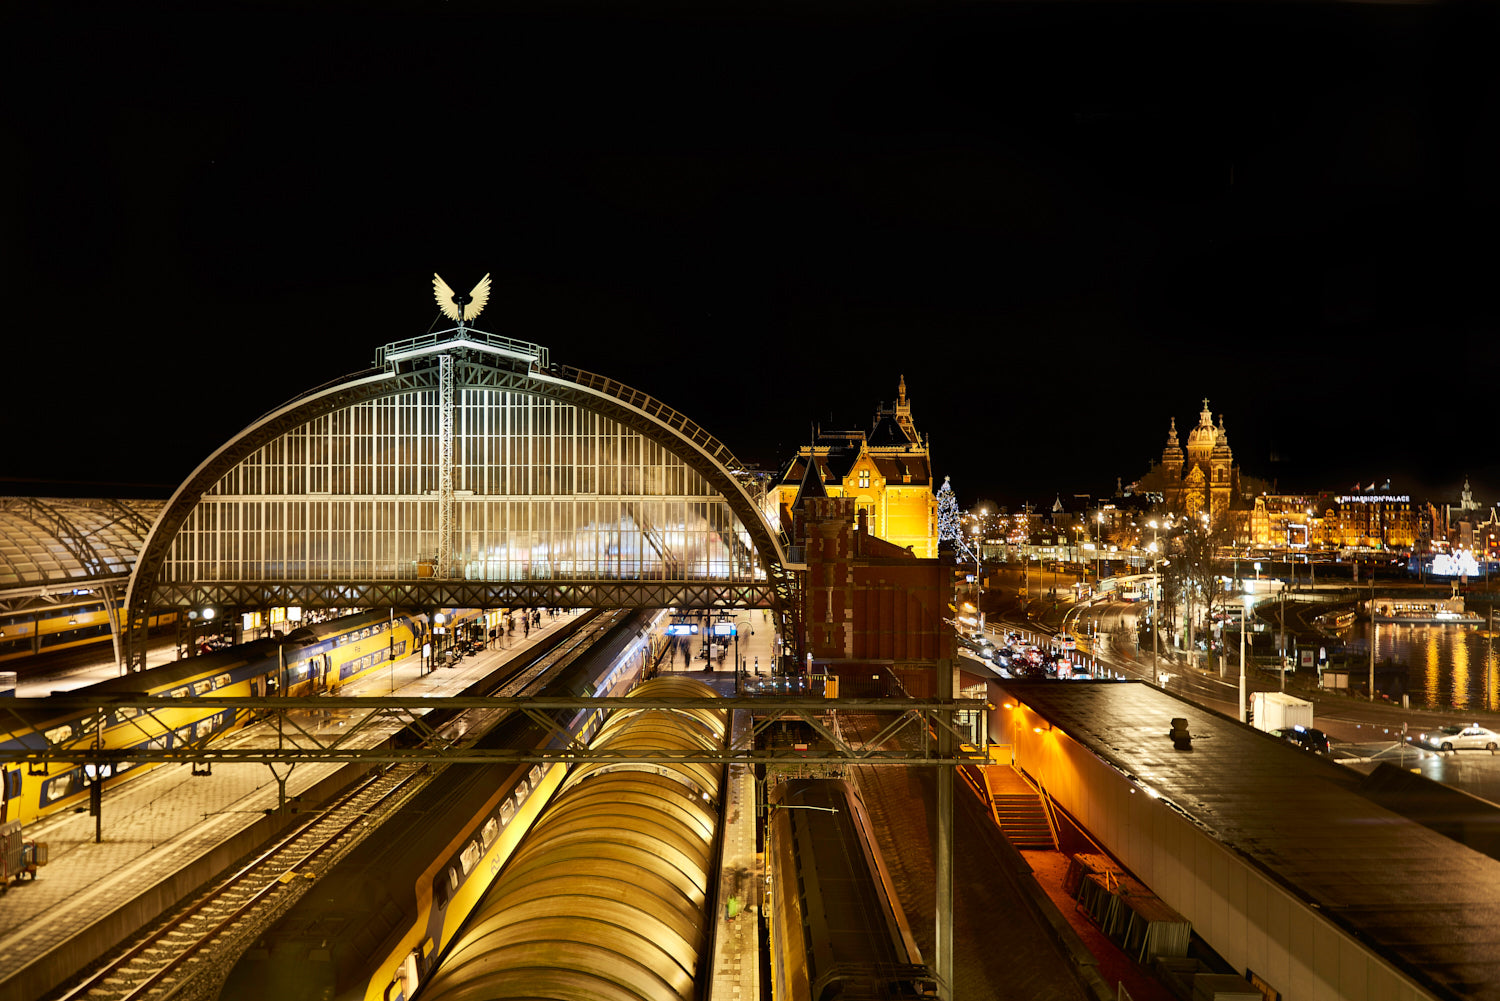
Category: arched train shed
[463,469]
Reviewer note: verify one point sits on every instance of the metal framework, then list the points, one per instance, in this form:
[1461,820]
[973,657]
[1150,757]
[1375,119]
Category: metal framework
[425,383]
[302,744]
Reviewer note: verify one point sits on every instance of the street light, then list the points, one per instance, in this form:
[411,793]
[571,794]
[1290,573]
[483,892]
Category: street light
[1098,553]
[1244,626]
[1155,621]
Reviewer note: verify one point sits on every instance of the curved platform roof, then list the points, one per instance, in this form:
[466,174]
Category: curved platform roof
[48,544]
[606,896]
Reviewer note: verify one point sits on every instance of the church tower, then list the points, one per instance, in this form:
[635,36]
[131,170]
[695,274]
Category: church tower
[1221,473]
[1171,456]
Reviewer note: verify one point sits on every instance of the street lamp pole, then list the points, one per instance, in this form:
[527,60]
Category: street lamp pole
[1244,625]
[1099,553]
[1155,622]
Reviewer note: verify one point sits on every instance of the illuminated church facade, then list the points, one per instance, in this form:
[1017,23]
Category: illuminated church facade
[1201,477]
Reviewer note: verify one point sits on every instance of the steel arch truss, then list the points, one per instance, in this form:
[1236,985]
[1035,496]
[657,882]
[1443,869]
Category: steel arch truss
[470,368]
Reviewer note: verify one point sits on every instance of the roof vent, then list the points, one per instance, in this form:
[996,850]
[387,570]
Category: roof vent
[1181,739]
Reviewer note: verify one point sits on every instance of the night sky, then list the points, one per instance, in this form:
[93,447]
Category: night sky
[1064,223]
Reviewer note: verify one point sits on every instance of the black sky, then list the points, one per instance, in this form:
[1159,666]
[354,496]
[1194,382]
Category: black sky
[1064,223]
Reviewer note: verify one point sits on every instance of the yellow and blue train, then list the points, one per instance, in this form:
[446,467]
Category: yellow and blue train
[309,660]
[67,626]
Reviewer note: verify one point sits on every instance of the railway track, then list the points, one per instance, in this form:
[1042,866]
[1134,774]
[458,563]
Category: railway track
[177,952]
[182,955]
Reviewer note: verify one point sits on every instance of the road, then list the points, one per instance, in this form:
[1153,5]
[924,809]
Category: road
[1363,732]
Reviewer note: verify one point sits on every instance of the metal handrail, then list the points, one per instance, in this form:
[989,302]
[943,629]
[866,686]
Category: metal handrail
[642,401]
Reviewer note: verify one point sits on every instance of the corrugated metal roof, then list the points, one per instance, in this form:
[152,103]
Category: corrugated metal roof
[605,897]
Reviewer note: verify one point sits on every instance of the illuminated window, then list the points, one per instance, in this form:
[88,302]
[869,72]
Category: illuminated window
[864,479]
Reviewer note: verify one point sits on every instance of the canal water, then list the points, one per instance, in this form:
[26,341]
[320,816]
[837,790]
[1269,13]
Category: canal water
[1449,665]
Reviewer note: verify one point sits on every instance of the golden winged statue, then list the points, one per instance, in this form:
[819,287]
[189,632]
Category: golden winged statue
[460,307]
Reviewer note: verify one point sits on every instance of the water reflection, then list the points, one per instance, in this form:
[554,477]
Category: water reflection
[1450,665]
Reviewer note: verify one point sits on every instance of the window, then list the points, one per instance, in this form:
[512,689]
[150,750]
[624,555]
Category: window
[470,857]
[864,479]
[491,831]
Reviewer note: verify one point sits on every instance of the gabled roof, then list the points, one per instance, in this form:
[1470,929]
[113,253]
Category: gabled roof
[888,433]
[812,486]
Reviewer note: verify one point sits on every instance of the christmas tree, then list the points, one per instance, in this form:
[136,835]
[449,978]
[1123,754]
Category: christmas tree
[949,527]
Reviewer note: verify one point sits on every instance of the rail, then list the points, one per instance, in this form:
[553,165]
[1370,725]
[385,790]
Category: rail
[642,401]
[144,968]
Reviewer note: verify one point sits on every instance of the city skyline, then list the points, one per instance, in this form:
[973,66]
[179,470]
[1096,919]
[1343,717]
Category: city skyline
[1062,225]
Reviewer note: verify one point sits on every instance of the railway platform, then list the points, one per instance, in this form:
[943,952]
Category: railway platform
[165,833]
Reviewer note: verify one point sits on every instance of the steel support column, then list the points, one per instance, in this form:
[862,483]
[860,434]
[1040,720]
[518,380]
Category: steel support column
[943,864]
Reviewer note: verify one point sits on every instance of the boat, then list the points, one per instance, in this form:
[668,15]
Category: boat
[1335,621]
[1425,613]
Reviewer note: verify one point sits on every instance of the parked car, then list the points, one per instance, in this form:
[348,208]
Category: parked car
[1306,737]
[1458,738]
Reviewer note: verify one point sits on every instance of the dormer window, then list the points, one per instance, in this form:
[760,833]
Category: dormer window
[864,479]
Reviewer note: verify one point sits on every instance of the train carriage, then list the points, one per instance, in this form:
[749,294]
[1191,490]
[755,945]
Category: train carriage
[371,927]
[311,660]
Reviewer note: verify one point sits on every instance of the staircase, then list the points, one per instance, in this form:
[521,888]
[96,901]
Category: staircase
[1023,819]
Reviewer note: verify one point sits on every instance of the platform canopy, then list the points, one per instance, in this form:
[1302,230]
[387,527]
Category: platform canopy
[51,546]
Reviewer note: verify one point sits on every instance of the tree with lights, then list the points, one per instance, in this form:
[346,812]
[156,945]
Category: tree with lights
[950,528]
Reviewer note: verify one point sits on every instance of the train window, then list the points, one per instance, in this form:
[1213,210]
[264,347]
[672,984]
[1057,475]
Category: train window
[440,889]
[12,783]
[60,734]
[123,766]
[203,687]
[221,681]
[507,811]
[536,776]
[92,772]
[522,788]
[453,880]
[180,693]
[469,858]
[490,832]
[58,786]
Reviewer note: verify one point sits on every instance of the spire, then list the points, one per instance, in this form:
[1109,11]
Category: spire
[812,483]
[1171,456]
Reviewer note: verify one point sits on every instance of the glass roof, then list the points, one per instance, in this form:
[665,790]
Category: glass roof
[46,541]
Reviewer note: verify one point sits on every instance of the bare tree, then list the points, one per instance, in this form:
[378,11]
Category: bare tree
[1199,546]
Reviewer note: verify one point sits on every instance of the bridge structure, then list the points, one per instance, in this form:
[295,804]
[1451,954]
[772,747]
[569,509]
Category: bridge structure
[463,469]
